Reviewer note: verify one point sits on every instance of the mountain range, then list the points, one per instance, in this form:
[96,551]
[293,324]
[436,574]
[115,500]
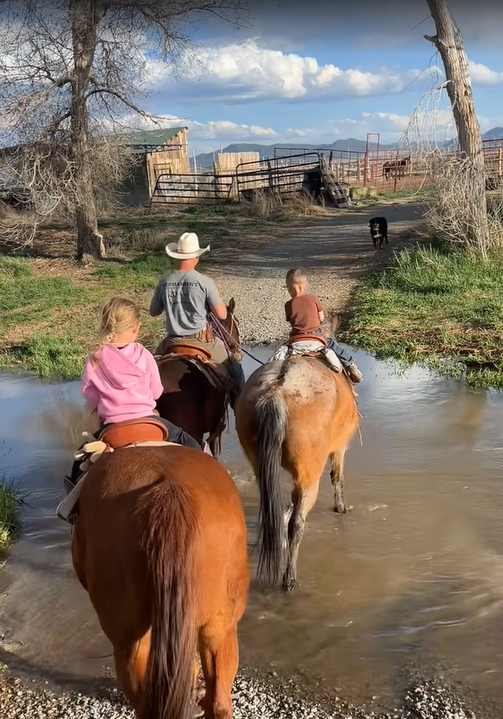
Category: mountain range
[205,160]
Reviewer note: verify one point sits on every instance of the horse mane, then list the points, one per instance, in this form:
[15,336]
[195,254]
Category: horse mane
[169,542]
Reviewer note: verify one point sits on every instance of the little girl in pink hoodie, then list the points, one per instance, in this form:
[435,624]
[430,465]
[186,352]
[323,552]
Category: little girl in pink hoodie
[121,380]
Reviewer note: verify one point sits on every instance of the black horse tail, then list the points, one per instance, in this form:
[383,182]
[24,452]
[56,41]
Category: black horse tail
[272,420]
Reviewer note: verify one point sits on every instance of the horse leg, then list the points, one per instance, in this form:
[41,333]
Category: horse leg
[337,478]
[303,499]
[130,668]
[219,653]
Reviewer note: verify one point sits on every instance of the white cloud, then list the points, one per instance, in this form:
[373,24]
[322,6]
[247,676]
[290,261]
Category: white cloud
[431,124]
[248,72]
[482,75]
[218,130]
[252,71]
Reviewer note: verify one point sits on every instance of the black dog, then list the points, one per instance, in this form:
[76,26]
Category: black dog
[379,231]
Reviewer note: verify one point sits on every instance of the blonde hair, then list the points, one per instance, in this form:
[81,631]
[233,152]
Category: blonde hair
[118,315]
[296,277]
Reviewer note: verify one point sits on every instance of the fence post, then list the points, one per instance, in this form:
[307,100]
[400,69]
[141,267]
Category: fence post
[365,168]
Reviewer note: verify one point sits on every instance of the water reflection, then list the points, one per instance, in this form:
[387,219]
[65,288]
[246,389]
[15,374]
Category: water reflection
[413,576]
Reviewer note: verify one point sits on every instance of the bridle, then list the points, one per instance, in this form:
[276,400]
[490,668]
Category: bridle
[226,334]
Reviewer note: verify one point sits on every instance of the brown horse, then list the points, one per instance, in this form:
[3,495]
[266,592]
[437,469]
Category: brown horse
[190,400]
[294,414]
[160,545]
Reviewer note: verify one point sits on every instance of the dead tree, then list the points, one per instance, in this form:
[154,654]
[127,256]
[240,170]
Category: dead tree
[449,43]
[71,71]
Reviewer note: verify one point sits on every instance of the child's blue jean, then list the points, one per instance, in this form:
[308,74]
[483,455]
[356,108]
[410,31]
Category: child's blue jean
[341,353]
[176,434]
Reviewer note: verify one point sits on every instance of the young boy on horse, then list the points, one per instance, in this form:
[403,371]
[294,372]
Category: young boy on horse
[305,315]
[186,296]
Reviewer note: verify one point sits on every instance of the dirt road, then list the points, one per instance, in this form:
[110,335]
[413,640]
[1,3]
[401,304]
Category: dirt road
[337,253]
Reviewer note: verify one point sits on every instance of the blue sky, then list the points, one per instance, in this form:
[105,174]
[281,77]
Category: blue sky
[315,72]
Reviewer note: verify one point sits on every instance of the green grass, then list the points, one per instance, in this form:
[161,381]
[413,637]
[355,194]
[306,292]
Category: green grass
[10,504]
[51,323]
[436,307]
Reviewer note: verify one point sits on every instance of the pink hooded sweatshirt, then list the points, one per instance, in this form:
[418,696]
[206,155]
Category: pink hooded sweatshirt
[124,384]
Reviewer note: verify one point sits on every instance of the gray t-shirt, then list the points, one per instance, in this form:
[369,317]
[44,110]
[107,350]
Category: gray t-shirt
[185,297]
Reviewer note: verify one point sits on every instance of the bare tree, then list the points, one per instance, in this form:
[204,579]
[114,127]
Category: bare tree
[449,43]
[70,70]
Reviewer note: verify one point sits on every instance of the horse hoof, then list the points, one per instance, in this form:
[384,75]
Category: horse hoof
[343,509]
[289,585]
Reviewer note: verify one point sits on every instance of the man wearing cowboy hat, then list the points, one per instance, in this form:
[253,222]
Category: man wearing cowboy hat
[185,297]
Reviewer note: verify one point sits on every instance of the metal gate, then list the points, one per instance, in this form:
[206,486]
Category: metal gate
[187,189]
[283,176]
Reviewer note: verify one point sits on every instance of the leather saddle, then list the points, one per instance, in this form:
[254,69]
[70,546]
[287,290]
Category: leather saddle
[307,338]
[200,358]
[133,431]
[189,349]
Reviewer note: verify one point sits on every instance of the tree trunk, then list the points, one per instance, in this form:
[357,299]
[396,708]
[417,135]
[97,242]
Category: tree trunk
[85,17]
[450,45]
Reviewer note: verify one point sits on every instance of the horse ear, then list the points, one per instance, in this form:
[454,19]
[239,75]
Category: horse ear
[232,305]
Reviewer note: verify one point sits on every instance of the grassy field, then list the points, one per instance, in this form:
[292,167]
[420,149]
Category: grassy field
[10,502]
[50,305]
[51,310]
[438,307]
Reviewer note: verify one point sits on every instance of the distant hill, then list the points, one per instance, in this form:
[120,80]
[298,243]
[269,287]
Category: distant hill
[205,160]
[495,134]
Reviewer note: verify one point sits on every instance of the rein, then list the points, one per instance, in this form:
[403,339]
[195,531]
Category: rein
[226,337]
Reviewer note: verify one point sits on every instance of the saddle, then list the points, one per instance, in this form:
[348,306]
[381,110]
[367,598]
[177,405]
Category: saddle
[307,338]
[308,346]
[188,349]
[200,358]
[133,431]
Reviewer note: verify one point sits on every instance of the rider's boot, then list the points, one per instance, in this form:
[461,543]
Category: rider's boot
[353,372]
[74,474]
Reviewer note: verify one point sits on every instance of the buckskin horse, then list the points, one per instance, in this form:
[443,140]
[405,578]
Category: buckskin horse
[294,414]
[196,393]
[159,543]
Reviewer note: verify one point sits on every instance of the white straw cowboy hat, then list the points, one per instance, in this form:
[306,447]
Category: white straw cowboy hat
[187,247]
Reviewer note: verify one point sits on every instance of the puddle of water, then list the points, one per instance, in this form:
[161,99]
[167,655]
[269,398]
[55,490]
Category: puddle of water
[413,577]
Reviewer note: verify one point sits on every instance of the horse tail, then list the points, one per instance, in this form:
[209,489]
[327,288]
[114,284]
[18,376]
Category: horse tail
[272,420]
[172,528]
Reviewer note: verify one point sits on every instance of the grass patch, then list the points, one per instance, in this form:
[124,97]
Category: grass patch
[10,508]
[50,305]
[51,323]
[436,307]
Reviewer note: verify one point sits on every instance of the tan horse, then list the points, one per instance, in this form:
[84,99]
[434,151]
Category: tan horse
[294,414]
[160,545]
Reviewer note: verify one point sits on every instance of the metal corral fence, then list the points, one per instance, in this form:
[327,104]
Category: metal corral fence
[282,176]
[305,170]
[386,169]
[394,170]
[186,189]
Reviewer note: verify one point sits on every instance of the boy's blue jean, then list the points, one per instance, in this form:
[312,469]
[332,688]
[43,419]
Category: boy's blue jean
[341,353]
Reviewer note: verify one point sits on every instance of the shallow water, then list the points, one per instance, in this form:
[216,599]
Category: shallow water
[411,579]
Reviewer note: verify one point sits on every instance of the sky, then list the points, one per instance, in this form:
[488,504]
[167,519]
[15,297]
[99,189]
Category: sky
[317,71]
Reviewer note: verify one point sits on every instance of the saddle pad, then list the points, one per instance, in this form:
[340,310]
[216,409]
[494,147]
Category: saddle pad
[66,507]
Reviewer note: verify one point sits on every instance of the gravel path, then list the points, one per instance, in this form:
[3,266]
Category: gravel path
[252,698]
[336,253]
